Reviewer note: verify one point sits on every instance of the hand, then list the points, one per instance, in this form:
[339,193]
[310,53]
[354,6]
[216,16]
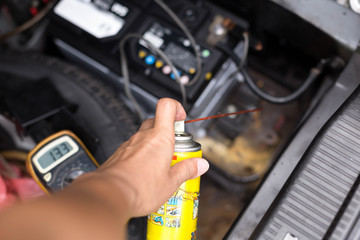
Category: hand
[139,171]
[136,180]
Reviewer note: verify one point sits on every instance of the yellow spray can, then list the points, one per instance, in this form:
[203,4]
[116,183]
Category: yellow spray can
[177,218]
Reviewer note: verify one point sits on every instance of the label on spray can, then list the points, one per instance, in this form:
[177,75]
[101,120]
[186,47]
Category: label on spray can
[177,218]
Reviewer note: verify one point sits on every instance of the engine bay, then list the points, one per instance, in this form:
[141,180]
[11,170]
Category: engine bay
[68,63]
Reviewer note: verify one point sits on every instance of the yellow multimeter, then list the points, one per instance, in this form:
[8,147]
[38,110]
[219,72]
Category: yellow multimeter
[58,160]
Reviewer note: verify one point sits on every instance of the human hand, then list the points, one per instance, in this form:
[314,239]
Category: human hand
[139,172]
[136,180]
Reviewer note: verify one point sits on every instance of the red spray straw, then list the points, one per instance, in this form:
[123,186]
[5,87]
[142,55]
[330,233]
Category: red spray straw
[224,115]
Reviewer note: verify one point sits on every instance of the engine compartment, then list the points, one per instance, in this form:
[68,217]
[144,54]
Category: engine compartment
[276,45]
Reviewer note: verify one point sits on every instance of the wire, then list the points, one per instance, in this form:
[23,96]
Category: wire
[189,36]
[314,73]
[124,64]
[246,50]
[14,154]
[29,23]
[244,53]
[125,71]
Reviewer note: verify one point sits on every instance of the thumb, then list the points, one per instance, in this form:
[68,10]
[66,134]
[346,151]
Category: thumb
[188,169]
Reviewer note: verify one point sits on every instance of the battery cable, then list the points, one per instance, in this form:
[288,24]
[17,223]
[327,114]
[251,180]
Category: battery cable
[314,73]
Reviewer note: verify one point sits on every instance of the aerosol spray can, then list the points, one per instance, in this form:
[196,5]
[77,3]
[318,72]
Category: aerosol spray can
[177,218]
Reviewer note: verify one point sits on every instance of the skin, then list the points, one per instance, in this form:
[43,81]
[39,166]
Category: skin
[135,181]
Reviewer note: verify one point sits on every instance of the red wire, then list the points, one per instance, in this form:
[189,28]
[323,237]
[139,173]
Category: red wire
[224,115]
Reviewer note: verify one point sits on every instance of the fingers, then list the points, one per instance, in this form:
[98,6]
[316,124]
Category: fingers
[167,112]
[188,169]
[149,123]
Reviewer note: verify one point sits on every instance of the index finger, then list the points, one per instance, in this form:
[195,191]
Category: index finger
[167,112]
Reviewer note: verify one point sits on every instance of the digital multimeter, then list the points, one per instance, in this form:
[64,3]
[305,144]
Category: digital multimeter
[58,160]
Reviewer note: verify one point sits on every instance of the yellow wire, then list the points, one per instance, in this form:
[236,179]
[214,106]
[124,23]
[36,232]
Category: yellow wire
[14,154]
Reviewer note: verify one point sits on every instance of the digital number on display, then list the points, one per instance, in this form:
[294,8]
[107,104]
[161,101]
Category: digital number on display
[54,153]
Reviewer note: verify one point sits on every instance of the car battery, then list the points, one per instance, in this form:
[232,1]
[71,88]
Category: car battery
[92,30]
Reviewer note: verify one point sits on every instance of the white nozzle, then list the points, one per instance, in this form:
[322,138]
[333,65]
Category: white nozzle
[179,126]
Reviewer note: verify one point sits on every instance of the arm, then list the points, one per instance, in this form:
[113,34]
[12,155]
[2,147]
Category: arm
[133,182]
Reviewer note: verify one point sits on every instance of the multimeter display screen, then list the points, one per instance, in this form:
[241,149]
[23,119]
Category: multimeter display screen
[55,153]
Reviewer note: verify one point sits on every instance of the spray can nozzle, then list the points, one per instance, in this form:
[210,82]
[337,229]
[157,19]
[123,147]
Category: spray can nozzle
[179,127]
